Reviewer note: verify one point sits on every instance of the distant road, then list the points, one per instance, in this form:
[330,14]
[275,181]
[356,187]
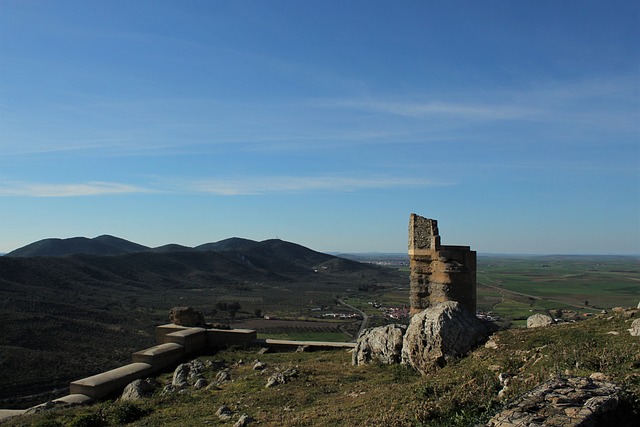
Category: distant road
[365,318]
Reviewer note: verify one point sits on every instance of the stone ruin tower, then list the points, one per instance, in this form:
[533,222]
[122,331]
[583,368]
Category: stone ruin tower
[439,273]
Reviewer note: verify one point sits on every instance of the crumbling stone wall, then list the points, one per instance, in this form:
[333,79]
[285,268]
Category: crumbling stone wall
[439,273]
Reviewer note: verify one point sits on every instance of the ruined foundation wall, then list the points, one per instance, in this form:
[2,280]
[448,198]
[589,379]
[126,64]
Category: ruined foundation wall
[439,273]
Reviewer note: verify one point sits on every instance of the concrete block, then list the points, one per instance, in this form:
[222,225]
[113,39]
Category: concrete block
[106,383]
[73,399]
[192,339]
[163,330]
[222,338]
[160,356]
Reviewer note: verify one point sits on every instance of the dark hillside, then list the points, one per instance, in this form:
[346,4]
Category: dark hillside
[171,248]
[233,243]
[101,245]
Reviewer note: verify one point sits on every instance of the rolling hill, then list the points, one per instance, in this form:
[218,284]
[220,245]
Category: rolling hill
[101,245]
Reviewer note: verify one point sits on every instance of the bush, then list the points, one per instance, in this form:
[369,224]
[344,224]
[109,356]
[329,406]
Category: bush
[48,423]
[89,420]
[127,412]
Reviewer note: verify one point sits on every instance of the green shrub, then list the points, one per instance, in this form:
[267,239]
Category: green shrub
[127,412]
[48,423]
[89,420]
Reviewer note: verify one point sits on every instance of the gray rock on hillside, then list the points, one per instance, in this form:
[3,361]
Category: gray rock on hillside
[187,316]
[635,328]
[539,320]
[181,375]
[382,344]
[139,389]
[244,421]
[440,333]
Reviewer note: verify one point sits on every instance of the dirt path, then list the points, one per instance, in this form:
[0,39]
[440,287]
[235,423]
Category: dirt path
[365,318]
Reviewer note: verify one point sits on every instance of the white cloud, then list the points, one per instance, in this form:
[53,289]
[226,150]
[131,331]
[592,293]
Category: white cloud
[437,109]
[221,187]
[282,184]
[68,190]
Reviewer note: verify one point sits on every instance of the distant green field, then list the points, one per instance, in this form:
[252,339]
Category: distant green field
[536,283]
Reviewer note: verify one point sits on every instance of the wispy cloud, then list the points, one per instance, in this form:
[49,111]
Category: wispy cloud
[435,109]
[218,186]
[284,184]
[68,190]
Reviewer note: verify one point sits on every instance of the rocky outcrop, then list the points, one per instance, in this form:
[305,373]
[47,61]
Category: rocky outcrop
[573,401]
[539,320]
[441,333]
[382,344]
[635,328]
[187,316]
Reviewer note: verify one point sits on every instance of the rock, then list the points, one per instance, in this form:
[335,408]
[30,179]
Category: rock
[196,370]
[224,413]
[599,376]
[139,389]
[638,306]
[180,376]
[275,379]
[382,344]
[635,328]
[281,377]
[303,349]
[539,320]
[244,421]
[491,344]
[573,401]
[441,333]
[187,316]
[223,376]
[201,383]
[263,350]
[259,366]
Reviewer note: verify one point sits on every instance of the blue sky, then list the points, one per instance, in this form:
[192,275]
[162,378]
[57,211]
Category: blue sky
[325,123]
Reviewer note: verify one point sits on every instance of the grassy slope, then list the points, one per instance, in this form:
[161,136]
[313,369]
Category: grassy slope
[330,391]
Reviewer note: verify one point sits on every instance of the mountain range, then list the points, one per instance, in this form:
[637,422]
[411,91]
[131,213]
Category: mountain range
[111,245]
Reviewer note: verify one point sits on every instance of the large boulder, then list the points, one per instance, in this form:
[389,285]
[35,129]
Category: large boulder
[139,389]
[635,328]
[441,333]
[382,344]
[539,320]
[187,316]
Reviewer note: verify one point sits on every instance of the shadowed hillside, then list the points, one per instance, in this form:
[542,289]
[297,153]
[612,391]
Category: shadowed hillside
[101,245]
